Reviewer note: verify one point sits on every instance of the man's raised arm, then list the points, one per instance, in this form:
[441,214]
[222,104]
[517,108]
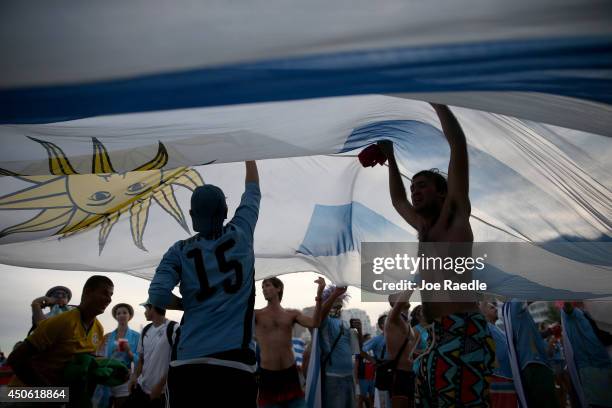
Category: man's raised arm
[315,320]
[338,291]
[247,213]
[167,276]
[399,199]
[252,176]
[458,173]
[399,301]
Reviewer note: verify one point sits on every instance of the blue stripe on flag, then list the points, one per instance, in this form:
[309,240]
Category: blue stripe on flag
[336,229]
[576,67]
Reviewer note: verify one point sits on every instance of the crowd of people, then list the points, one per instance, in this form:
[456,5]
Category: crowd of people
[446,353]
[358,370]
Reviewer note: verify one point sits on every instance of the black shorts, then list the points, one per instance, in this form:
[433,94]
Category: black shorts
[207,385]
[403,384]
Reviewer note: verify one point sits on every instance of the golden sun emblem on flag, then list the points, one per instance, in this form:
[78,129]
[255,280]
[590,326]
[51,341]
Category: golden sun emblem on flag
[72,202]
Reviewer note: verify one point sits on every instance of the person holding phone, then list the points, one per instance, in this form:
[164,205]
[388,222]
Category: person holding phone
[56,299]
[339,345]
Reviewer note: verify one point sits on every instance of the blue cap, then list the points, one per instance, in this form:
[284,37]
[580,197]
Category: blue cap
[208,208]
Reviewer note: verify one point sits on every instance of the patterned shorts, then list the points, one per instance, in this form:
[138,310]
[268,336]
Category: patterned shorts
[454,373]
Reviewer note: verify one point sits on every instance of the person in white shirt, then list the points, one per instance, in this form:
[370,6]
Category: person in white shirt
[148,384]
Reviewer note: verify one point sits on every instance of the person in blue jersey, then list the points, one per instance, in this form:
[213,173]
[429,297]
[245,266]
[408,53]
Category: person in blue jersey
[503,394]
[279,379]
[536,373]
[377,343]
[339,344]
[215,350]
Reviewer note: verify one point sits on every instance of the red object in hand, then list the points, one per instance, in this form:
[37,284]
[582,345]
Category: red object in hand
[371,156]
[122,344]
[560,303]
[556,330]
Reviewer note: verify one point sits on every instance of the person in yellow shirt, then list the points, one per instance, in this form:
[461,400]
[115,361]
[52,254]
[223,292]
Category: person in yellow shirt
[41,359]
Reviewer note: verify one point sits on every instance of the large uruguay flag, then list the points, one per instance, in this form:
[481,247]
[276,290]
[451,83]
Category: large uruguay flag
[112,112]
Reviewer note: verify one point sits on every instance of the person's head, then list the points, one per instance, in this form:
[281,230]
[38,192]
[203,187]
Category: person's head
[489,310]
[428,191]
[208,209]
[336,309]
[272,287]
[97,294]
[153,312]
[61,293]
[393,298]
[123,313]
[381,322]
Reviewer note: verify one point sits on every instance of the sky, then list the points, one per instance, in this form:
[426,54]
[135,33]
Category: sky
[22,285]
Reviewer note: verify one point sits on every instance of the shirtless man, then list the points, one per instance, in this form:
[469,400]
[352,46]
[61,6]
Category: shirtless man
[440,212]
[400,342]
[279,383]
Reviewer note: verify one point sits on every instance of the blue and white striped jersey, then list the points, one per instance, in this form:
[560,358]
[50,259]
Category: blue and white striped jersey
[298,350]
